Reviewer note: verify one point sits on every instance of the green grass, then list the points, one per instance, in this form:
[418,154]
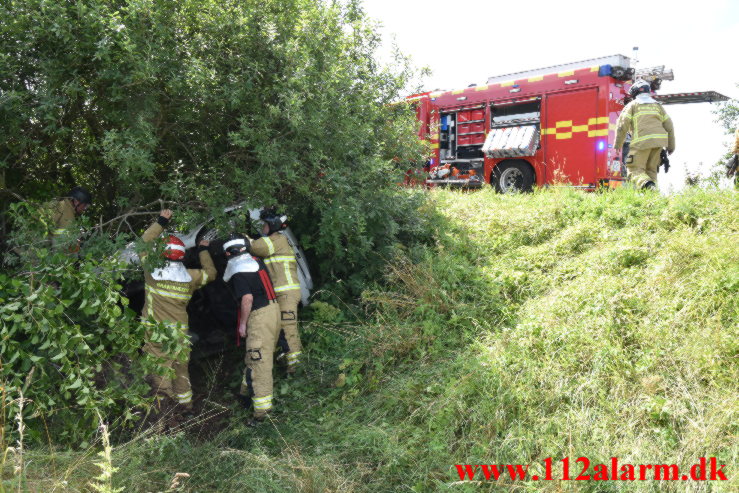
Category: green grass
[558,324]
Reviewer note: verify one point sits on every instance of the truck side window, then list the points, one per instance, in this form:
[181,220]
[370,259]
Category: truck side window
[508,114]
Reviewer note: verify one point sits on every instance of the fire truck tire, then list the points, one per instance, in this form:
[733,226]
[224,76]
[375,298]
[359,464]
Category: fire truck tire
[512,176]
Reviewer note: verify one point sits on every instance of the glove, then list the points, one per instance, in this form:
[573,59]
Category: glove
[663,160]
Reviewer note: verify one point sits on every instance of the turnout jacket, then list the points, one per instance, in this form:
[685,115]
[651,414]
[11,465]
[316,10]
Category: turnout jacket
[736,141]
[169,289]
[649,124]
[280,260]
[63,216]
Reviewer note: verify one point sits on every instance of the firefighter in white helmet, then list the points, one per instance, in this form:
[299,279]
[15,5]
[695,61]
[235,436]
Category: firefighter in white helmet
[168,291]
[279,257]
[258,320]
[651,130]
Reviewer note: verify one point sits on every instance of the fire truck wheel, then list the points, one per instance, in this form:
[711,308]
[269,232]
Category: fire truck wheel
[513,176]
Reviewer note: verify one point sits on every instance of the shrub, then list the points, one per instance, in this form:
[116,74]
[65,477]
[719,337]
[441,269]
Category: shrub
[69,345]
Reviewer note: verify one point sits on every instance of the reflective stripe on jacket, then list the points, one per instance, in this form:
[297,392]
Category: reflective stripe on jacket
[280,260]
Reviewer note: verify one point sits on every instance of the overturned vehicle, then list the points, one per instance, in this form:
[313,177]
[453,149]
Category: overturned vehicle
[213,310]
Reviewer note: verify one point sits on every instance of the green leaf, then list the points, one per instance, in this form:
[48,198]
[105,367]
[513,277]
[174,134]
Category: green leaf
[11,307]
[59,356]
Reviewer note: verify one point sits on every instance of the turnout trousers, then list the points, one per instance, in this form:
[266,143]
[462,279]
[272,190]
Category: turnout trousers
[292,347]
[643,165]
[262,331]
[178,388]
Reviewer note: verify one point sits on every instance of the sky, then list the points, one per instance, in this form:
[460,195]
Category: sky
[466,41]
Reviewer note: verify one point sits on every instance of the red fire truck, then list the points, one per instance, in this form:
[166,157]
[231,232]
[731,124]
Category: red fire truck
[549,126]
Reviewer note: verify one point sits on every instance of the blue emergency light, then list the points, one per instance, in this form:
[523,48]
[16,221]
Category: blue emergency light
[604,70]
[601,145]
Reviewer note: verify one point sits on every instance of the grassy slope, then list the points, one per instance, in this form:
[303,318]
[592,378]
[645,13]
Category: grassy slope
[548,325]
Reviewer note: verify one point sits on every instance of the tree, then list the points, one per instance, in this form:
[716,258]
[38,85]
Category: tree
[728,116]
[206,103]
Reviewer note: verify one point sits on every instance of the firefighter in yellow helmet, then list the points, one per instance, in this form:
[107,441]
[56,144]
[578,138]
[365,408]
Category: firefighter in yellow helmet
[64,212]
[279,257]
[258,321]
[651,130]
[168,291]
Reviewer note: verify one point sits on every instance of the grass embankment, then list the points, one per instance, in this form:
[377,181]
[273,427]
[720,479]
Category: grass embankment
[557,324]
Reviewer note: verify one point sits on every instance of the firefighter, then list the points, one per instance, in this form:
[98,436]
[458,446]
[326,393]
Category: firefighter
[64,212]
[258,321]
[651,130]
[279,258]
[733,164]
[168,291]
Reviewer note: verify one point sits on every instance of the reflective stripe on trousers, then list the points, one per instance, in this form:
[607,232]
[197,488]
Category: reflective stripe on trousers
[262,403]
[293,358]
[185,397]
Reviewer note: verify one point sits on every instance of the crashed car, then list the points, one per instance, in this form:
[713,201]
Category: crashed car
[213,310]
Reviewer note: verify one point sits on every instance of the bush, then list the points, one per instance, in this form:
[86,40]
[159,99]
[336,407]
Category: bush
[69,346]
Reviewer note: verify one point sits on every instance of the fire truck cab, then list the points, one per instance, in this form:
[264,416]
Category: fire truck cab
[544,127]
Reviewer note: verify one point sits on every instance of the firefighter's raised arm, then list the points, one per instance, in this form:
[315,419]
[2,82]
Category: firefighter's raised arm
[158,226]
[208,272]
[262,247]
